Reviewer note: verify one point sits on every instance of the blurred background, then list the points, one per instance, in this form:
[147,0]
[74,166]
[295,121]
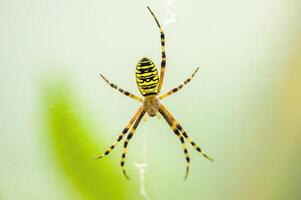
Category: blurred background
[243,107]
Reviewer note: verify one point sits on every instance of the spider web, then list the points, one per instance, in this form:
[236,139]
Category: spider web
[141,166]
[171,16]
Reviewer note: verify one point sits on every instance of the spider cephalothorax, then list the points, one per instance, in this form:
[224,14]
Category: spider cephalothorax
[149,84]
[151,105]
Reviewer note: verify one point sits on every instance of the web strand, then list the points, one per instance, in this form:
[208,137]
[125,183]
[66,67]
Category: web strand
[141,170]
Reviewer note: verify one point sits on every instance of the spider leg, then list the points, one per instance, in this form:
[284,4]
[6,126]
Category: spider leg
[183,132]
[126,93]
[125,130]
[126,142]
[176,131]
[179,87]
[163,61]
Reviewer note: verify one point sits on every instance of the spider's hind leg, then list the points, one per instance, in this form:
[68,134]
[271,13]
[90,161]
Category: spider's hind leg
[126,142]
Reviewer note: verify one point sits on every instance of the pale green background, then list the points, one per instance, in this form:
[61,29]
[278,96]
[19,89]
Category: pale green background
[243,106]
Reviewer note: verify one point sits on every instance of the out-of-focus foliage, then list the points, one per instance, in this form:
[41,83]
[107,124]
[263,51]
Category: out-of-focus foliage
[71,142]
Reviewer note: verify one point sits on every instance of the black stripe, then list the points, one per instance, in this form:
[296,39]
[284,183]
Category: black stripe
[151,93]
[165,117]
[175,89]
[141,81]
[142,64]
[149,87]
[149,76]
[138,120]
[179,127]
[145,70]
[144,86]
[148,79]
[185,134]
[130,135]
[113,85]
[119,138]
[145,66]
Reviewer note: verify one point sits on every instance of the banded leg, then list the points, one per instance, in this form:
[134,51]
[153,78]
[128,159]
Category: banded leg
[179,87]
[126,142]
[126,93]
[176,131]
[183,132]
[125,130]
[163,61]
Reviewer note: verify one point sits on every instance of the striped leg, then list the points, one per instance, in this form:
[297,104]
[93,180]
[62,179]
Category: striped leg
[126,93]
[183,132]
[163,61]
[176,131]
[125,130]
[126,142]
[179,87]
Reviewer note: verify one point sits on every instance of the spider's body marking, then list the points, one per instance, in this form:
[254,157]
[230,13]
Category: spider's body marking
[147,78]
[149,84]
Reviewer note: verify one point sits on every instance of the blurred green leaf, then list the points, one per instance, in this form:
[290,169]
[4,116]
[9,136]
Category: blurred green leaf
[71,141]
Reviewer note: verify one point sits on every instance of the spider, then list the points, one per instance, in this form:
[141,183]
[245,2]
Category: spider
[149,85]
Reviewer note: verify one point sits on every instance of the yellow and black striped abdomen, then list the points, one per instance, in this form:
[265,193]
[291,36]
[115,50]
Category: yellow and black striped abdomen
[147,77]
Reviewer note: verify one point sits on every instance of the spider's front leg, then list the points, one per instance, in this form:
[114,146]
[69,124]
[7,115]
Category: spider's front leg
[126,93]
[176,126]
[177,133]
[125,130]
[126,142]
[174,90]
[163,54]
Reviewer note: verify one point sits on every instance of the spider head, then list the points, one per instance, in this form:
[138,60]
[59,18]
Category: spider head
[147,78]
[151,105]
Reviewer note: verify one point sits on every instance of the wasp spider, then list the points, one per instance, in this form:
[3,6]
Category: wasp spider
[149,84]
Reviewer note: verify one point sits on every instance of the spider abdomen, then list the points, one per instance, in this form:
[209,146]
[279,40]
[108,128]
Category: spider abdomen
[147,78]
